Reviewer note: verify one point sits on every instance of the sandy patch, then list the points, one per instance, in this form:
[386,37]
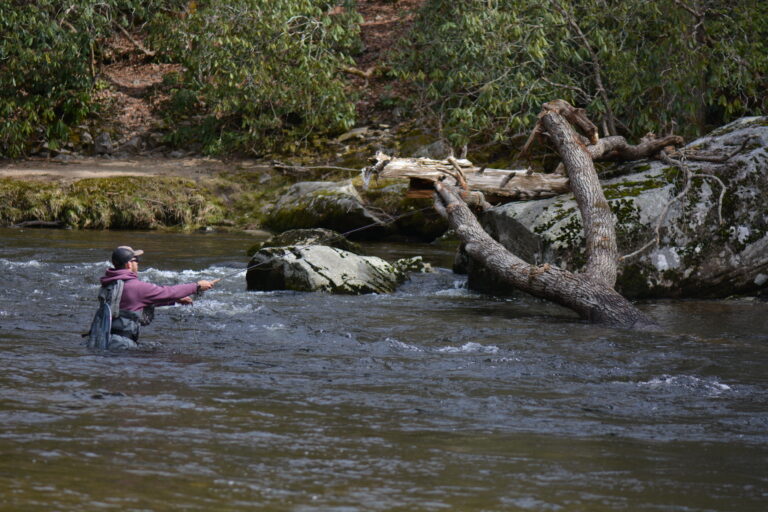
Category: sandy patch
[87,167]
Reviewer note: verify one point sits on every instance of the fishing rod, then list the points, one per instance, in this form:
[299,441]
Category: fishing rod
[339,235]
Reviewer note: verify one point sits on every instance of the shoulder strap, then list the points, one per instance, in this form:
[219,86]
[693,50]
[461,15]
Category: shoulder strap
[111,295]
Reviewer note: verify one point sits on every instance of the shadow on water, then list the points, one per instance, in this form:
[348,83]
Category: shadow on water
[431,398]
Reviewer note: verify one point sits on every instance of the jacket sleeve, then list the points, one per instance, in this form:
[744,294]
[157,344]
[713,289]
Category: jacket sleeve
[148,293]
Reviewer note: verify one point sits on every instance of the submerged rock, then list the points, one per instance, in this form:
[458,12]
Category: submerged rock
[325,204]
[415,264]
[321,268]
[697,256]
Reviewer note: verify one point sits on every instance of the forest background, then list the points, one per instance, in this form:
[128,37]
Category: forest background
[259,78]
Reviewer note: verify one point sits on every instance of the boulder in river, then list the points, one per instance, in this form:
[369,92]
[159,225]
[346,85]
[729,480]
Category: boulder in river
[315,236]
[324,204]
[321,268]
[697,255]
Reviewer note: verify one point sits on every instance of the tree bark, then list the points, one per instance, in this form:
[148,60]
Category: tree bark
[593,301]
[616,148]
[590,293]
[596,215]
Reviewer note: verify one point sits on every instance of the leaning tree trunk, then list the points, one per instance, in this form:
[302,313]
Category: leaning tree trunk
[596,215]
[589,293]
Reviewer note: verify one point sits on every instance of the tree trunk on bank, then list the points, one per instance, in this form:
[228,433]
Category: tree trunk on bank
[590,293]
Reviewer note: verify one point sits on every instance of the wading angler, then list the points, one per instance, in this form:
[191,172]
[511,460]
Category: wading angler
[127,303]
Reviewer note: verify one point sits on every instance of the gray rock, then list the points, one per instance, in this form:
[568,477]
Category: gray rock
[323,204]
[697,257]
[321,268]
[415,264]
[414,217]
[132,146]
[316,236]
[86,139]
[103,144]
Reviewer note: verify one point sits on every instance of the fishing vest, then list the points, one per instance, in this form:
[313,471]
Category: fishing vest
[110,319]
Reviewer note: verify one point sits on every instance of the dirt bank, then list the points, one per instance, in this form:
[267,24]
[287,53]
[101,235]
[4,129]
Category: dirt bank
[92,167]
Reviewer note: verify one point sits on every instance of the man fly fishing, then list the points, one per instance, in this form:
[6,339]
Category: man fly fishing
[126,303]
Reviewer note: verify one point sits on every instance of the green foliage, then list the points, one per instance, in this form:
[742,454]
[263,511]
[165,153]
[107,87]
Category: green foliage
[260,73]
[48,54]
[44,73]
[483,68]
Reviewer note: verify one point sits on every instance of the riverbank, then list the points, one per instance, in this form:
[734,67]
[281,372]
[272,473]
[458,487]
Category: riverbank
[139,193]
[83,191]
[80,167]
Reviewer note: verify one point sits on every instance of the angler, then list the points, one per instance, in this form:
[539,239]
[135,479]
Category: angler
[127,303]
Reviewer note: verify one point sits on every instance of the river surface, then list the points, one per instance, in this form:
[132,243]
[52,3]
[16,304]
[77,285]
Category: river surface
[430,399]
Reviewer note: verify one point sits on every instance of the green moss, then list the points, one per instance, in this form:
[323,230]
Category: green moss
[139,202]
[112,203]
[630,232]
[632,188]
[541,228]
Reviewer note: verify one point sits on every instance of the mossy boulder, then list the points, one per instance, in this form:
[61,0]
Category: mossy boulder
[321,268]
[323,204]
[697,256]
[415,218]
[316,236]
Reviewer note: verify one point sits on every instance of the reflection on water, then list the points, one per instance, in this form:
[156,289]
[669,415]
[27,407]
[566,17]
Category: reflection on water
[432,398]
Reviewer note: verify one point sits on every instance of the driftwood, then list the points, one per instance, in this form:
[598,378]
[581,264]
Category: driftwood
[589,293]
[423,172]
[504,185]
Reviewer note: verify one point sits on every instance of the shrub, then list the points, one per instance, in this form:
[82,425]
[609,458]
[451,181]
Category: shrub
[483,68]
[258,74]
[49,53]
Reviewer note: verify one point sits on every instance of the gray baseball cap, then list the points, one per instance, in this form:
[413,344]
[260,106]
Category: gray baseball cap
[124,254]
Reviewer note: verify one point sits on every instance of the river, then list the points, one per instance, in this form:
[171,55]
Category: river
[432,398]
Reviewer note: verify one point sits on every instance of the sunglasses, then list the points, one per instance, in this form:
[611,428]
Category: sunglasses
[135,259]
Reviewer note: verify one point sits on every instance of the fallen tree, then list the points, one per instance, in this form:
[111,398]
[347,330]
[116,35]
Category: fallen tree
[504,185]
[689,223]
[493,183]
[589,293]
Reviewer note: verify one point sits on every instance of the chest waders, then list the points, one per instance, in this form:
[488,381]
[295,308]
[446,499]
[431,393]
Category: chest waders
[111,320]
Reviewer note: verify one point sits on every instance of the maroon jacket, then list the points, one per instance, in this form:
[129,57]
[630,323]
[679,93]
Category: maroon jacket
[138,294]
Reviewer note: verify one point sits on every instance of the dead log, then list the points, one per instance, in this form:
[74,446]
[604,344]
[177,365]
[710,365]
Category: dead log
[590,293]
[521,183]
[505,185]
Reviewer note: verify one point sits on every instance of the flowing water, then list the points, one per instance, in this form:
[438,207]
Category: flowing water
[432,398]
